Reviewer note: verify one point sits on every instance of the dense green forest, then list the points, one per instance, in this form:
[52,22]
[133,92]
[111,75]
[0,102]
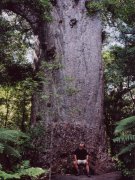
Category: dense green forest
[21,142]
[16,90]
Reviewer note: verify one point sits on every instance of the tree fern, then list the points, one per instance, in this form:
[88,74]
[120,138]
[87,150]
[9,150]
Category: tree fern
[11,151]
[127,149]
[12,136]
[30,172]
[125,124]
[9,140]
[124,134]
[124,138]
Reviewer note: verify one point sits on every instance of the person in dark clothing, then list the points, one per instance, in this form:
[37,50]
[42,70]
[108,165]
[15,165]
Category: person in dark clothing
[81,157]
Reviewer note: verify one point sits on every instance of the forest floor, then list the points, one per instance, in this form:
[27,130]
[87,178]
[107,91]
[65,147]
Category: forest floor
[108,176]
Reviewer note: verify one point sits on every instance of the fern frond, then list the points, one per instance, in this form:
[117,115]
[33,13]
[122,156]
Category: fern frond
[7,135]
[124,138]
[9,140]
[125,124]
[4,175]
[1,148]
[32,172]
[126,149]
[25,164]
[11,151]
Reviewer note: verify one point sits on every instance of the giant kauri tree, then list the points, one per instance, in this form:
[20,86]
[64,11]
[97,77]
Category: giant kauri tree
[69,100]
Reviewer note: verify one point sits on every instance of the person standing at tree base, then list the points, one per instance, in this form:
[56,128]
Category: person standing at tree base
[81,157]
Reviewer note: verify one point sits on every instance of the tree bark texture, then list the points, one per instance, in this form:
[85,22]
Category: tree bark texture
[74,108]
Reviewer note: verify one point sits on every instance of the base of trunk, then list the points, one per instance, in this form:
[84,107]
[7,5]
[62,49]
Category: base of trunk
[61,141]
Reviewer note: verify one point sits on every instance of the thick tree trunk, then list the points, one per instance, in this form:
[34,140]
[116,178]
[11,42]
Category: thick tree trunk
[73,109]
[76,39]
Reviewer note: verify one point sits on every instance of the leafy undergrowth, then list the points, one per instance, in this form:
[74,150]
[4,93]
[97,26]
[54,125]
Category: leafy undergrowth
[12,163]
[34,173]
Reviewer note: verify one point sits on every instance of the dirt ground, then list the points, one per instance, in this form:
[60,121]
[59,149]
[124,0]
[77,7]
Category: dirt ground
[108,176]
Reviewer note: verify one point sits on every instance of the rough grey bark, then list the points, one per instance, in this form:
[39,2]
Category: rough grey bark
[74,108]
[76,38]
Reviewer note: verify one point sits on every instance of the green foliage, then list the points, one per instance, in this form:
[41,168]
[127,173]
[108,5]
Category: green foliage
[104,6]
[10,146]
[124,129]
[35,146]
[9,140]
[122,10]
[26,171]
[41,7]
[16,104]
[119,82]
[125,138]
[46,6]
[29,172]
[16,72]
[119,10]
[45,3]
[14,65]
[16,90]
[93,7]
[122,167]
[127,149]
[125,124]
[119,98]
[54,65]
[119,88]
[4,175]
[32,172]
